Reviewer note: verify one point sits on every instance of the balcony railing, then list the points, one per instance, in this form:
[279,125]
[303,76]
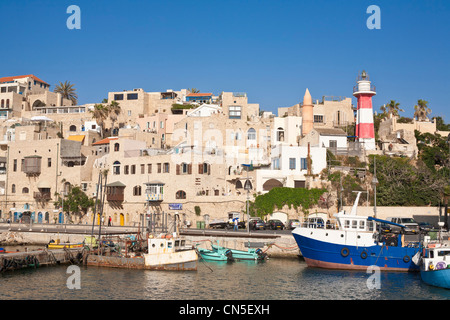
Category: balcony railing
[155,197]
[357,88]
[115,197]
[42,196]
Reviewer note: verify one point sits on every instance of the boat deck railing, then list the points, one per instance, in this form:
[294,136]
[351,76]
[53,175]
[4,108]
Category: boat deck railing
[329,224]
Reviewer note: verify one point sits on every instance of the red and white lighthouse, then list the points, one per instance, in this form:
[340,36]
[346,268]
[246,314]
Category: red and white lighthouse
[364,91]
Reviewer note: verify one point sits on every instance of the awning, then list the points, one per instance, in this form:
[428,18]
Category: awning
[43,184]
[154,182]
[79,138]
[116,184]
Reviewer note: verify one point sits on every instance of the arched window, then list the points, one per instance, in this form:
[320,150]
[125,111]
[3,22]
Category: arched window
[116,167]
[251,134]
[25,190]
[180,194]
[13,188]
[73,128]
[280,134]
[7,103]
[3,103]
[137,191]
[116,147]
[238,184]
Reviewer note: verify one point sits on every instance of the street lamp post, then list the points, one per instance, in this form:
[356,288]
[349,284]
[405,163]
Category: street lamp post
[247,186]
[374,183]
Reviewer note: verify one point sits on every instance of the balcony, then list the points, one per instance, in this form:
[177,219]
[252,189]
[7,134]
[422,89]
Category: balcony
[155,197]
[115,197]
[42,196]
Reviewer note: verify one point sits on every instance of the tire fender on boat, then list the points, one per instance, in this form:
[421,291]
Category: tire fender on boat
[406,259]
[345,252]
[364,254]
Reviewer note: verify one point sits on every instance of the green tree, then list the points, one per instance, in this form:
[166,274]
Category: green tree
[113,112]
[67,91]
[100,114]
[76,203]
[421,110]
[392,108]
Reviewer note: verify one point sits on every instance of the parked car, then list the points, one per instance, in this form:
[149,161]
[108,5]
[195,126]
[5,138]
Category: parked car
[385,228]
[292,224]
[426,227]
[411,226]
[274,224]
[256,224]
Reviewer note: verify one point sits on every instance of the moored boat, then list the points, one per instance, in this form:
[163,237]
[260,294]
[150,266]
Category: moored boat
[67,245]
[161,253]
[250,254]
[353,242]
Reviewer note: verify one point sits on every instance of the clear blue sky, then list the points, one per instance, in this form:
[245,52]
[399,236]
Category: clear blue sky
[271,49]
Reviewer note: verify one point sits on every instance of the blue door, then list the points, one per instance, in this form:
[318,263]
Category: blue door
[16,217]
[61,218]
[33,217]
[40,217]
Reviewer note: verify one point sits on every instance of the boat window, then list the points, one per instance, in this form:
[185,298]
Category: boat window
[346,224]
[182,243]
[431,254]
[177,243]
[444,253]
[169,244]
[362,225]
[354,224]
[370,225]
[162,244]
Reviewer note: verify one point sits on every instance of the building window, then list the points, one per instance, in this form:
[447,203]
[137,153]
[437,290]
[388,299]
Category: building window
[280,134]
[116,147]
[137,191]
[13,188]
[118,97]
[234,112]
[132,96]
[149,168]
[166,167]
[251,134]
[116,167]
[25,190]
[84,186]
[292,163]
[142,168]
[133,169]
[276,164]
[49,162]
[303,164]
[126,169]
[318,118]
[73,128]
[333,143]
[159,167]
[15,165]
[180,194]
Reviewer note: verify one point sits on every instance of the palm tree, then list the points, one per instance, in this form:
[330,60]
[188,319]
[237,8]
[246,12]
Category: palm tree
[421,110]
[392,108]
[67,91]
[100,114]
[113,112]
[193,90]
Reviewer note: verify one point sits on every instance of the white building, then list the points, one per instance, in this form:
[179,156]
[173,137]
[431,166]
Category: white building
[289,167]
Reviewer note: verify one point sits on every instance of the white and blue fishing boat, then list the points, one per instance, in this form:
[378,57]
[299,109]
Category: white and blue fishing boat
[353,242]
[435,264]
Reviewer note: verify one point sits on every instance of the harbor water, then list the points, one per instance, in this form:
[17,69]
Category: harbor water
[274,279]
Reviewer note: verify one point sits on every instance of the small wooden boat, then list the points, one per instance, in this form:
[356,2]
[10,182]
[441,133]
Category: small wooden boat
[54,245]
[215,255]
[250,254]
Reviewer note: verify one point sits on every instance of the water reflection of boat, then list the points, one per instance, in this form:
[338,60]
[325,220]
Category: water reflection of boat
[353,242]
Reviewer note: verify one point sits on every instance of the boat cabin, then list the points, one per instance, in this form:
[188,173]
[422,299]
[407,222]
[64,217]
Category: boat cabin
[165,245]
[436,257]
